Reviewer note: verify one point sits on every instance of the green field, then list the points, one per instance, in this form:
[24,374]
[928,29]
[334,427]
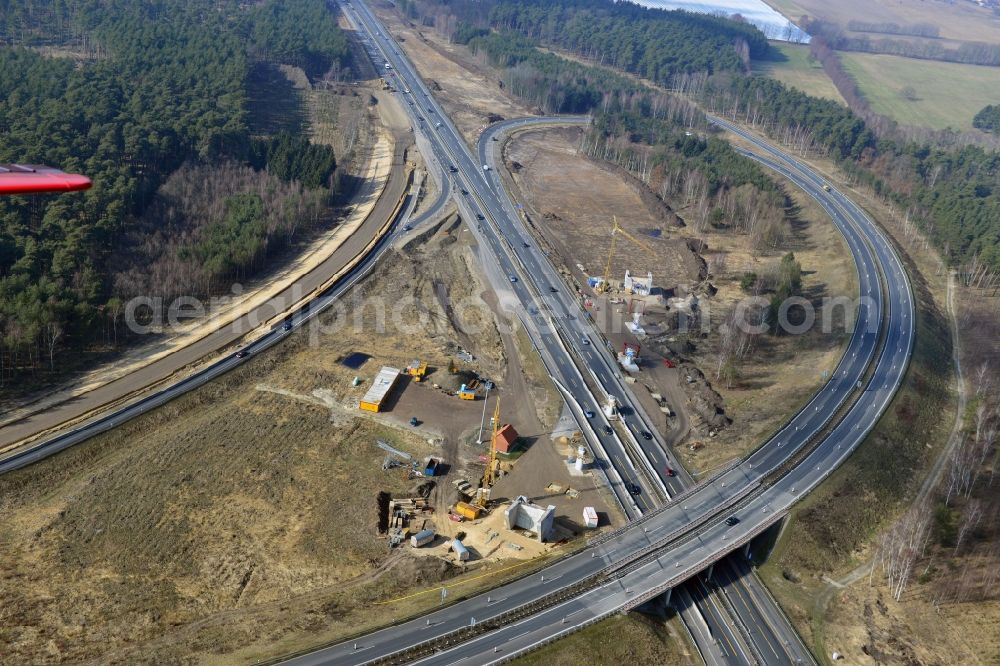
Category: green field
[631,639]
[790,64]
[947,94]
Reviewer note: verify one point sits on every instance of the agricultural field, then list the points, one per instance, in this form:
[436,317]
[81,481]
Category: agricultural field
[946,94]
[791,64]
[962,21]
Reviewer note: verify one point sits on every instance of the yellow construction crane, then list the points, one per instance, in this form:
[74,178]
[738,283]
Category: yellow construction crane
[615,230]
[489,475]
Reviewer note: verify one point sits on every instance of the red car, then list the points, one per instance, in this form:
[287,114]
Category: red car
[671,472]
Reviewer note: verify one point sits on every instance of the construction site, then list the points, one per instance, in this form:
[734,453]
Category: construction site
[276,506]
[659,291]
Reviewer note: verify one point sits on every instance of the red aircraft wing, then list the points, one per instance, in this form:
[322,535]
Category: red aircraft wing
[30,179]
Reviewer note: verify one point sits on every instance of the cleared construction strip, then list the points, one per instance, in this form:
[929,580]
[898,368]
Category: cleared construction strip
[204,351]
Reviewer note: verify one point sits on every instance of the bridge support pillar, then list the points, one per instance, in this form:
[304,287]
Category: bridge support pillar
[708,572]
[746,551]
[658,606]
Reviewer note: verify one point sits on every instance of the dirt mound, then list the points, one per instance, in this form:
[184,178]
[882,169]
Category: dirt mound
[383,511]
[423,570]
[453,381]
[704,400]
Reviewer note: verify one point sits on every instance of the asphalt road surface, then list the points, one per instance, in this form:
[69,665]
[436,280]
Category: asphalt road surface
[162,370]
[685,536]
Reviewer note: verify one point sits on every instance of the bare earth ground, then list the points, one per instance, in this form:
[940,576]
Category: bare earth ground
[946,615]
[374,148]
[574,216]
[467,89]
[239,521]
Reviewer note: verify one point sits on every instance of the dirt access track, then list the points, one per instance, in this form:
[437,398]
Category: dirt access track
[70,406]
[572,218]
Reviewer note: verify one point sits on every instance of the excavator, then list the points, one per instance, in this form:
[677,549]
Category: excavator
[34,179]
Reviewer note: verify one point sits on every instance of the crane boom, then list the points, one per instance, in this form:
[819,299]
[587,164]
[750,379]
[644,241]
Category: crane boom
[489,475]
[615,230]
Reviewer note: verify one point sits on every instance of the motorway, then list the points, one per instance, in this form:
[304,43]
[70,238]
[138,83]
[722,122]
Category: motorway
[163,369]
[552,317]
[727,630]
[380,217]
[665,546]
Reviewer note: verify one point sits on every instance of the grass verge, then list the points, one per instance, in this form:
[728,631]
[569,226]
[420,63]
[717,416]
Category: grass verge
[620,639]
[831,529]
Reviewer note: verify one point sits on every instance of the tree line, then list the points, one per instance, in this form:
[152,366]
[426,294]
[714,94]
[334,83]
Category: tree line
[652,43]
[972,53]
[554,84]
[988,118]
[928,30]
[155,86]
[953,194]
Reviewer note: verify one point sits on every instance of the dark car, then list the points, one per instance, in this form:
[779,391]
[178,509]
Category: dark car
[589,414]
[553,290]
[633,488]
[287,326]
[465,192]
[607,430]
[243,353]
[524,244]
[732,520]
[479,216]
[647,435]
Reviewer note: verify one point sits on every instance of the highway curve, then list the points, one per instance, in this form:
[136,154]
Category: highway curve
[131,390]
[668,545]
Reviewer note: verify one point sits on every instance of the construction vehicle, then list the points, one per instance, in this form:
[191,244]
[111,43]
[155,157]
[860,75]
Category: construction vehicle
[417,369]
[615,230]
[489,474]
[465,393]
